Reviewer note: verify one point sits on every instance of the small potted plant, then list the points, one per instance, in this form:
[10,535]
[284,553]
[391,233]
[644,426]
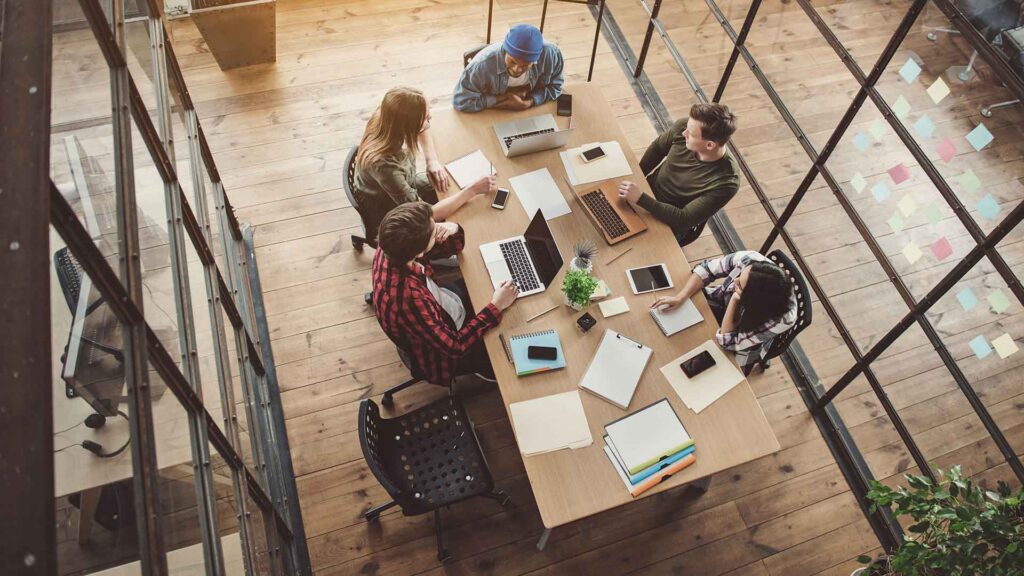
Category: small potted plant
[958,529]
[583,256]
[578,286]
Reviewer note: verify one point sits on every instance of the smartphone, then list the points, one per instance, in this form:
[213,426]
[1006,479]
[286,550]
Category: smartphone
[500,199]
[542,353]
[698,364]
[592,154]
[565,105]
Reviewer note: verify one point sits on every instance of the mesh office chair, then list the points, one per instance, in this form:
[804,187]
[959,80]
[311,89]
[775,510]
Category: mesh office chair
[425,460]
[803,319]
[388,398]
[348,182]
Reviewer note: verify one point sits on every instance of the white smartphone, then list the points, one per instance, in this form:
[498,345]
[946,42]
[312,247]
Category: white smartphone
[649,278]
[592,154]
[500,199]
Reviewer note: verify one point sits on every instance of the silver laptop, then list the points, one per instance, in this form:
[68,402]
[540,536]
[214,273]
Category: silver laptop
[531,261]
[530,135]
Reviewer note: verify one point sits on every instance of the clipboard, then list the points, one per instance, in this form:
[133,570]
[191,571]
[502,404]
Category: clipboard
[616,368]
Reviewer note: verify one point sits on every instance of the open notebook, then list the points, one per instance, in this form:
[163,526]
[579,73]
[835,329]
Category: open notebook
[678,319]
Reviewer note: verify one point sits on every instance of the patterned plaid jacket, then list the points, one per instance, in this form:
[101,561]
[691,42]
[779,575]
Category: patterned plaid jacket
[417,323]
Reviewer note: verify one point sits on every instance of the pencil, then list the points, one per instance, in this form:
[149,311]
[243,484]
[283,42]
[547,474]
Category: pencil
[539,314]
[623,253]
[501,337]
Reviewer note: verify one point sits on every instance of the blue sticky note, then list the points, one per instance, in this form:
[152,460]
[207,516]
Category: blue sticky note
[910,71]
[967,298]
[924,126]
[860,140]
[881,192]
[979,137]
[980,347]
[988,207]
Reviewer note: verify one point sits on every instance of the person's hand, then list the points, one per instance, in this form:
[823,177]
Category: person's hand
[515,101]
[736,295]
[666,303]
[443,230]
[505,295]
[630,191]
[436,175]
[485,185]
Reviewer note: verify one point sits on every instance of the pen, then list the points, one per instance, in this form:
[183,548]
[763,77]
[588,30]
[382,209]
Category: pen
[539,314]
[623,253]
[501,337]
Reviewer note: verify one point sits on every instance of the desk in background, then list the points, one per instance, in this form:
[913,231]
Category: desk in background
[573,484]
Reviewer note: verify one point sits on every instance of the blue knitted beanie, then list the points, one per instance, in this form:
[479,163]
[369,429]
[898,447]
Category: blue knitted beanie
[524,42]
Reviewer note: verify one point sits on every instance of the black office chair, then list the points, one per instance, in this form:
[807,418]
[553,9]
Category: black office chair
[471,53]
[69,276]
[425,460]
[348,183]
[803,319]
[387,399]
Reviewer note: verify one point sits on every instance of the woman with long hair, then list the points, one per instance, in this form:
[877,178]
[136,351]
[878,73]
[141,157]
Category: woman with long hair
[385,166]
[753,304]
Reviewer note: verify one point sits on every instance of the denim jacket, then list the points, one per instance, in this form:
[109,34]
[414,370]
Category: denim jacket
[486,78]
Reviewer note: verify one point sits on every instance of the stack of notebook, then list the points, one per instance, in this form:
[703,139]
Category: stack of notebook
[648,446]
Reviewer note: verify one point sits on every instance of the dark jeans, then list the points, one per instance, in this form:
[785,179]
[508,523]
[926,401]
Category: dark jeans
[683,237]
[475,361]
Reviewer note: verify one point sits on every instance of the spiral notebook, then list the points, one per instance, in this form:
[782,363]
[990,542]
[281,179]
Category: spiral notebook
[678,319]
[518,350]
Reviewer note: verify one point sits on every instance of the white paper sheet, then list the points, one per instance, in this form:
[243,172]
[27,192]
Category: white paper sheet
[612,165]
[537,190]
[469,168]
[703,389]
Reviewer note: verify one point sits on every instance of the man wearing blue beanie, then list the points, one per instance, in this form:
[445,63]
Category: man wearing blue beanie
[515,74]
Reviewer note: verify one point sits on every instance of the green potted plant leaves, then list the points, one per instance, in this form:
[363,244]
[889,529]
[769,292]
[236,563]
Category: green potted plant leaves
[578,286]
[958,529]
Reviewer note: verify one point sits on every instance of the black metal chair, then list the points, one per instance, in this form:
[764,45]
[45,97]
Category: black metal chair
[348,182]
[803,301]
[471,53]
[425,460]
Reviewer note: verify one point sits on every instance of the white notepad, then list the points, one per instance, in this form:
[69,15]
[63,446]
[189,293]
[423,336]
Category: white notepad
[537,191]
[614,307]
[678,319]
[648,435]
[469,168]
[612,165]
[550,423]
[703,389]
[615,371]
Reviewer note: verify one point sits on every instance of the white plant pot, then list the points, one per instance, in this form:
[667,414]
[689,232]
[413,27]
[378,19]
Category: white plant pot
[585,265]
[578,308]
[858,571]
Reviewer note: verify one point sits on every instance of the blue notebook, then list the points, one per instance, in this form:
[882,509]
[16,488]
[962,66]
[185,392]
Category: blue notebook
[635,479]
[525,365]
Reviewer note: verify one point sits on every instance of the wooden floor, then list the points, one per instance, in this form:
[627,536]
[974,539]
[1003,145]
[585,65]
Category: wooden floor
[279,134]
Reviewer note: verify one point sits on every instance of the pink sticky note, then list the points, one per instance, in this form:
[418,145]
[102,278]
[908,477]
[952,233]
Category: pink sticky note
[947,150]
[899,173]
[941,249]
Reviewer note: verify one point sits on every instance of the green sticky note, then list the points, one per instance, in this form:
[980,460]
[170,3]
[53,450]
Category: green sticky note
[933,214]
[858,182]
[969,181]
[901,107]
[877,130]
[896,223]
[998,301]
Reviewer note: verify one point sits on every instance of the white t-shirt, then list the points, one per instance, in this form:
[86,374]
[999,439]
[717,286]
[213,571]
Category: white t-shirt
[448,300]
[522,80]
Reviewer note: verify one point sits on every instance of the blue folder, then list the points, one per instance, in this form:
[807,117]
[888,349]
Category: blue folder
[526,365]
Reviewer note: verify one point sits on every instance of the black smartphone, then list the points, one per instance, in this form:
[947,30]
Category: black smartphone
[565,105]
[500,198]
[698,364]
[542,353]
[592,154]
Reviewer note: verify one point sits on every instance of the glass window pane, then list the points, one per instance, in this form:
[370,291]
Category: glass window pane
[260,553]
[228,513]
[864,27]
[206,343]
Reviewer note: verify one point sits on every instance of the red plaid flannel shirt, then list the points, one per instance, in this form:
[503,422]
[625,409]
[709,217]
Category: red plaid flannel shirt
[417,323]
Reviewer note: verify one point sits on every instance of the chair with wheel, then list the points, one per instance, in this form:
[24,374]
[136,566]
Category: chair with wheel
[348,182]
[427,459]
[781,343]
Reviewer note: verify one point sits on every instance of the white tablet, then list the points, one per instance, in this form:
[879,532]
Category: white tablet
[649,278]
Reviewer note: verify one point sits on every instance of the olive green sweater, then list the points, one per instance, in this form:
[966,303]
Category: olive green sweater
[687,191]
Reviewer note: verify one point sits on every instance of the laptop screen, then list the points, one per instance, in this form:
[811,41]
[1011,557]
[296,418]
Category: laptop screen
[543,249]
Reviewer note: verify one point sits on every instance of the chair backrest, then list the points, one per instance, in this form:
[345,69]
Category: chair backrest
[468,55]
[349,178]
[803,303]
[371,429]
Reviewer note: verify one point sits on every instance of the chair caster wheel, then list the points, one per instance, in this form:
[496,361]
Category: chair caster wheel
[444,557]
[357,245]
[368,299]
[387,401]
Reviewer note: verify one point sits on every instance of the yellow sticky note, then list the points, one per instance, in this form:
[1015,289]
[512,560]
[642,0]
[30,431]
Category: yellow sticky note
[614,307]
[907,206]
[912,253]
[938,90]
[1005,345]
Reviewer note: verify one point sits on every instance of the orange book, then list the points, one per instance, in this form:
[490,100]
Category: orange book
[657,477]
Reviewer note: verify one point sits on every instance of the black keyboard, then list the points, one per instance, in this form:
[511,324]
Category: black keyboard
[514,137]
[519,265]
[606,216]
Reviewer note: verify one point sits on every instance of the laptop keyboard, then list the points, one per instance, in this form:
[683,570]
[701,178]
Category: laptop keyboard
[606,216]
[519,265]
[514,137]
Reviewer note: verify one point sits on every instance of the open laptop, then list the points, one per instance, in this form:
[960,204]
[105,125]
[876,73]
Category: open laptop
[531,261]
[530,135]
[613,217]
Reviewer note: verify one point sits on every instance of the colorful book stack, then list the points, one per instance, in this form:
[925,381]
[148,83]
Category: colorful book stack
[648,446]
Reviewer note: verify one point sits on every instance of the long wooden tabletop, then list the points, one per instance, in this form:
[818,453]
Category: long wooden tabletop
[573,484]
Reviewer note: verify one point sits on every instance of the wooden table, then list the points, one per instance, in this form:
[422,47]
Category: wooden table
[573,484]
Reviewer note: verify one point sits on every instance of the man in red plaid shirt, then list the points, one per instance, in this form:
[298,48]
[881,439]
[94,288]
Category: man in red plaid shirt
[425,320]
